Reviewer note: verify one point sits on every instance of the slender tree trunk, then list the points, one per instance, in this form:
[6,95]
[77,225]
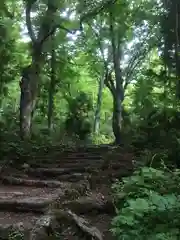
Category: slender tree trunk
[29,89]
[118,96]
[117,118]
[117,108]
[177,50]
[98,106]
[52,86]
[117,114]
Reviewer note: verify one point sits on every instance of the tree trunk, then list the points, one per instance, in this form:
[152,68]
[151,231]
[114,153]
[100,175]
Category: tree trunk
[29,88]
[98,107]
[31,74]
[52,86]
[118,95]
[116,119]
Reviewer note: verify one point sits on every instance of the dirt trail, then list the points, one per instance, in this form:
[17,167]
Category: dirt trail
[67,193]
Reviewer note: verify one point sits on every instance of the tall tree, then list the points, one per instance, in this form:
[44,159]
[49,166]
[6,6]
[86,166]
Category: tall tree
[52,84]
[31,73]
[48,23]
[170,25]
[113,29]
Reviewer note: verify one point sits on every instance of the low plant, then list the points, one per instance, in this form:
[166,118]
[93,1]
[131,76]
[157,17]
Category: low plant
[147,205]
[16,235]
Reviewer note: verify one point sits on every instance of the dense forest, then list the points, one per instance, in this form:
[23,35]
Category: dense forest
[99,73]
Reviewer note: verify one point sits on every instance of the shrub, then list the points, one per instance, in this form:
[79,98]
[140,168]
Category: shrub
[158,129]
[147,205]
[78,122]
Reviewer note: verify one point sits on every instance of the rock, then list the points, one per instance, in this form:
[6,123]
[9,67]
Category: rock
[25,166]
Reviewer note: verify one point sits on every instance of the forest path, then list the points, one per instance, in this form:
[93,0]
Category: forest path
[68,191]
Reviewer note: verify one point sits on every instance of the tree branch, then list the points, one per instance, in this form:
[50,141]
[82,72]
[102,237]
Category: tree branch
[115,53]
[139,55]
[135,56]
[100,46]
[135,61]
[53,30]
[97,34]
[6,11]
[109,82]
[29,5]
[96,10]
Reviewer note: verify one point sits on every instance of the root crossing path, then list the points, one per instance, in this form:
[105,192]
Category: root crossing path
[61,195]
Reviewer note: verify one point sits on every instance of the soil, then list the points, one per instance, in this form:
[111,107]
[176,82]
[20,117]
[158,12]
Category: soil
[70,189]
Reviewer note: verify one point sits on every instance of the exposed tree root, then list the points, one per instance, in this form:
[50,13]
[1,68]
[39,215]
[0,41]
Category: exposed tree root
[86,205]
[80,222]
[48,224]
[44,227]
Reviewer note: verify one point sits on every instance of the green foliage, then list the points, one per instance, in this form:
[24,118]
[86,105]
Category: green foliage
[148,202]
[16,235]
[98,139]
[78,122]
[147,205]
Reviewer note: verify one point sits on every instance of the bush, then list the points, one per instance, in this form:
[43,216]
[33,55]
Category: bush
[160,129]
[78,122]
[148,205]
[98,139]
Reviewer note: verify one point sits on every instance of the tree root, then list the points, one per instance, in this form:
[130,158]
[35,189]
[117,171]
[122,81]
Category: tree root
[86,205]
[44,227]
[80,222]
[47,225]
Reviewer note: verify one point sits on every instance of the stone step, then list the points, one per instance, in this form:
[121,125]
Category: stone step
[30,204]
[68,164]
[81,154]
[26,199]
[53,172]
[73,178]
[21,181]
[67,159]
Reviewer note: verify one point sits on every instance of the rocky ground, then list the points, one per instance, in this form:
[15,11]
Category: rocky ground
[68,194]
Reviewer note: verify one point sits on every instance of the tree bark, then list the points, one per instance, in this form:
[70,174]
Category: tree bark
[98,107]
[31,74]
[117,107]
[118,95]
[116,119]
[90,232]
[52,86]
[29,90]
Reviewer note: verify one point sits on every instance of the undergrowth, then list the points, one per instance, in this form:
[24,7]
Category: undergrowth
[19,235]
[147,205]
